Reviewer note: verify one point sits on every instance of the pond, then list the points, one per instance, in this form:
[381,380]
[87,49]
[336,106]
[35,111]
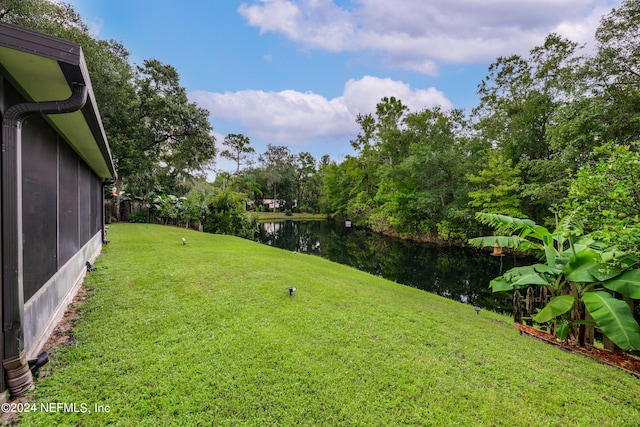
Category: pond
[460,274]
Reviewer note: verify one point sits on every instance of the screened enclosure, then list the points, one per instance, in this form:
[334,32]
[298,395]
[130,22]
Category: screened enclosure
[55,161]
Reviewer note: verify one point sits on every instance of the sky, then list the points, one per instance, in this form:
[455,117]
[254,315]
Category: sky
[298,72]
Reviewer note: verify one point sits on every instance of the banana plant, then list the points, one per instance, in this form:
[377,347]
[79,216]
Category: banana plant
[579,272]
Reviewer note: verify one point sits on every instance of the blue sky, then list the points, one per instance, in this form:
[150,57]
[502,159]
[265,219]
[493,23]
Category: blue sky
[297,72]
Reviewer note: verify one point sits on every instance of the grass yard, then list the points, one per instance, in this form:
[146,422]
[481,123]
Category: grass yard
[207,334]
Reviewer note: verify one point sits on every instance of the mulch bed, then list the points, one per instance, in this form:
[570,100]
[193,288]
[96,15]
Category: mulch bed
[624,361]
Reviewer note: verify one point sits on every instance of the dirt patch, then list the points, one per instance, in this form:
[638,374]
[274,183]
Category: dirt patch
[59,336]
[624,361]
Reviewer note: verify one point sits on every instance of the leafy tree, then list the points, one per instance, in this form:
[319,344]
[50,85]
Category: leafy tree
[47,17]
[390,113]
[378,143]
[276,163]
[496,187]
[167,207]
[424,188]
[519,100]
[238,149]
[195,206]
[605,196]
[604,106]
[175,132]
[338,182]
[249,185]
[161,140]
[227,215]
[614,74]
[368,157]
[305,169]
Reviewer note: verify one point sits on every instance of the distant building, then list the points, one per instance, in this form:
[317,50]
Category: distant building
[55,159]
[275,203]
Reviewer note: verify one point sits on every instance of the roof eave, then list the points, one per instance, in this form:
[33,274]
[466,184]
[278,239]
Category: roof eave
[28,58]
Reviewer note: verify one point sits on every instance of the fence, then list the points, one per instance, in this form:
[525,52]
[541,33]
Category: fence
[131,207]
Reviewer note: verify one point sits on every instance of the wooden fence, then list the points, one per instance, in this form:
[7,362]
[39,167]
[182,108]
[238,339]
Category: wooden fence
[129,207]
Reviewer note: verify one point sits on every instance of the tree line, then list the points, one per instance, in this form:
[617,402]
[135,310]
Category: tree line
[555,135]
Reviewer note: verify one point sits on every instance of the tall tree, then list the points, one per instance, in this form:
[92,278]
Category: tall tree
[238,149]
[390,113]
[519,100]
[338,184]
[305,169]
[426,187]
[174,135]
[276,163]
[56,19]
[495,188]
[614,73]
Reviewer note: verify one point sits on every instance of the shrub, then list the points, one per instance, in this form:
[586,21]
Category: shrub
[138,216]
[226,215]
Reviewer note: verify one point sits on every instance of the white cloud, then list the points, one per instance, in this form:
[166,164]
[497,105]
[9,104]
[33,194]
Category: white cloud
[296,118]
[362,96]
[318,24]
[416,34]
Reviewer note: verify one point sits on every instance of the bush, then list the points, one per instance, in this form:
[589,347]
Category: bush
[288,212]
[138,216]
[227,215]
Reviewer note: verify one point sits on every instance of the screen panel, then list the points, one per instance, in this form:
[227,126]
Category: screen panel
[84,185]
[69,238]
[39,203]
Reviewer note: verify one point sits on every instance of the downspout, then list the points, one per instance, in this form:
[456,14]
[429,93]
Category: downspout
[103,212]
[19,378]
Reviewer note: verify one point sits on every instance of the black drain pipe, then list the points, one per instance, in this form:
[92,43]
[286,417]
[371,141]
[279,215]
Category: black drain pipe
[19,378]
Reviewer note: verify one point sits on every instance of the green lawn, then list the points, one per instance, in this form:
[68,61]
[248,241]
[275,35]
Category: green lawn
[207,334]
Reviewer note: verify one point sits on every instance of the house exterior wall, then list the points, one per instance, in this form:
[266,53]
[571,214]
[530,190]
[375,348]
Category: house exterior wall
[45,309]
[62,223]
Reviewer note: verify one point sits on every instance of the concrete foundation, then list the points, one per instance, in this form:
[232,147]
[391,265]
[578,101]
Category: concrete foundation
[44,310]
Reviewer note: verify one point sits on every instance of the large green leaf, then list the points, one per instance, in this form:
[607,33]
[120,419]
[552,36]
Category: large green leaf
[497,220]
[504,241]
[628,284]
[540,231]
[511,225]
[557,305]
[613,265]
[562,330]
[550,256]
[615,319]
[499,284]
[580,264]
[521,277]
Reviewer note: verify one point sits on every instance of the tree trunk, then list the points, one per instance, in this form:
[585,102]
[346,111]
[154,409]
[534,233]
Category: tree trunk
[274,196]
[582,329]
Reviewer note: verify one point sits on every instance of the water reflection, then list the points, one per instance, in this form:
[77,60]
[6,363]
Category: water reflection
[459,274]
